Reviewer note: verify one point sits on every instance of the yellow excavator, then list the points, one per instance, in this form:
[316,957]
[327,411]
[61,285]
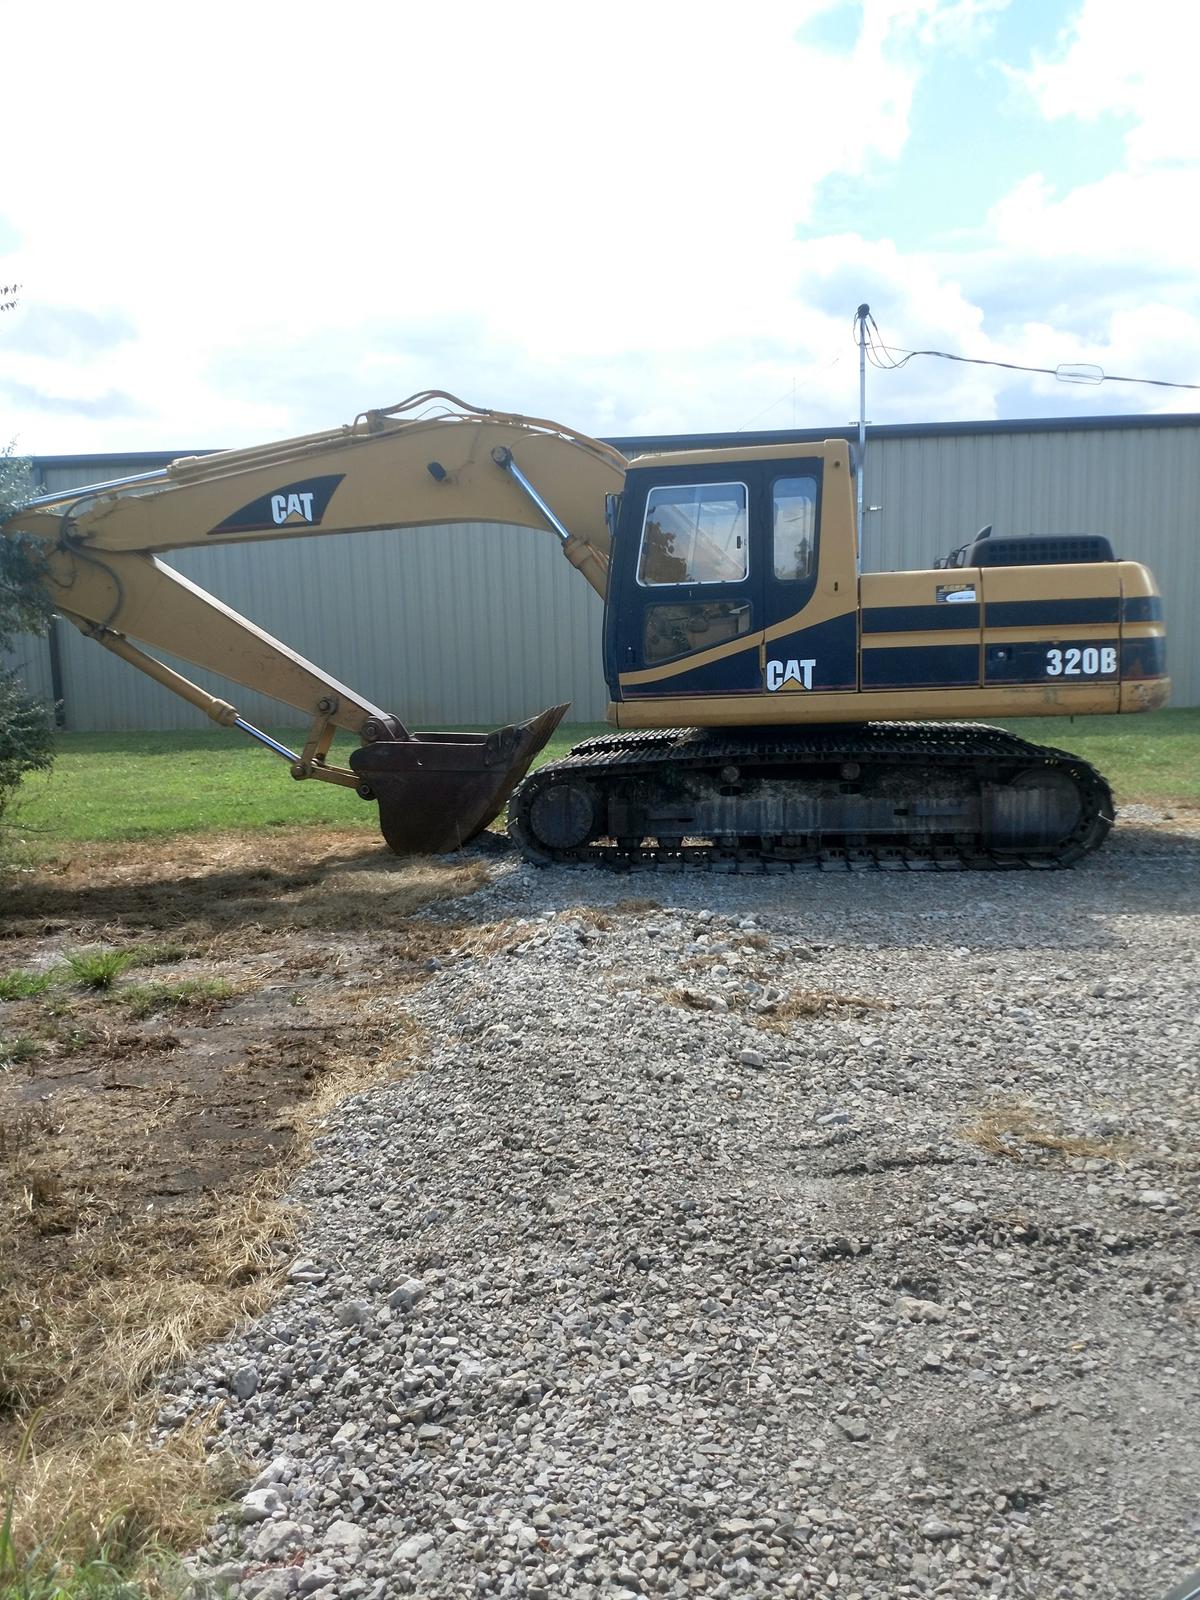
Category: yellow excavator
[775,704]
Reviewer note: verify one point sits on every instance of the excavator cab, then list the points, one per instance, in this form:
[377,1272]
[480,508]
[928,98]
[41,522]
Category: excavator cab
[717,556]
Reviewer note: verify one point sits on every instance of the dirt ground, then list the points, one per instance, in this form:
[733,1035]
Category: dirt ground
[260,979]
[149,1126]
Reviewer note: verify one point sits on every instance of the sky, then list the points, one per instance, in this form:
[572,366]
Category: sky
[239,222]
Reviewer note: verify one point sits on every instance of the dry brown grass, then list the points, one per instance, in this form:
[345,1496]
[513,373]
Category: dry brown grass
[375,894]
[806,1004]
[82,1352]
[121,1492]
[686,999]
[198,886]
[100,1300]
[801,1005]
[83,1344]
[1005,1130]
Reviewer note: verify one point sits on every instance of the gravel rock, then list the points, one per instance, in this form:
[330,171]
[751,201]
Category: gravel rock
[244,1382]
[935,1528]
[920,1310]
[314,1575]
[270,1585]
[414,1547]
[260,1504]
[275,1539]
[586,1309]
[341,1535]
[406,1294]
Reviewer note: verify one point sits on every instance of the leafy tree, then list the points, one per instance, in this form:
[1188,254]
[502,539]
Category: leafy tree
[26,735]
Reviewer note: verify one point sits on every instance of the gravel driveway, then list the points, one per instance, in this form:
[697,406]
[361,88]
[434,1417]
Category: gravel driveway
[832,1233]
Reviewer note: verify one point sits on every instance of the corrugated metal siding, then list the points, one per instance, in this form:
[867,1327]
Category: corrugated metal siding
[482,624]
[31,658]
[1138,486]
[455,625]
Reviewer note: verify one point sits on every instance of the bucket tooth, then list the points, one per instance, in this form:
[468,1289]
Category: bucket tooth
[436,791]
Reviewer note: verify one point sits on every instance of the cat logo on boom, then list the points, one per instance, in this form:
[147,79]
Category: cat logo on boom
[285,506]
[292,505]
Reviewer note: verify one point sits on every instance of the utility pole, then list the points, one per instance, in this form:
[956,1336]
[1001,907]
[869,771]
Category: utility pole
[860,322]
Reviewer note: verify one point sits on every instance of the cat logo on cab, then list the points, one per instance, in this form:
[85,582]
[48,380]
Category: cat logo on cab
[781,673]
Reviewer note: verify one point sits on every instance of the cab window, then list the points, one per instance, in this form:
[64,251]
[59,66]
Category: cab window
[694,533]
[795,522]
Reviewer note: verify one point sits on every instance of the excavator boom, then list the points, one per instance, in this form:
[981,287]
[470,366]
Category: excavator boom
[431,460]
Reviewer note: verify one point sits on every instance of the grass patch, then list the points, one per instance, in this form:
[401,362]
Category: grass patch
[158,953]
[1153,758]
[1012,1131]
[80,1353]
[96,969]
[93,1579]
[13,1052]
[94,1496]
[139,1194]
[24,985]
[143,999]
[150,785]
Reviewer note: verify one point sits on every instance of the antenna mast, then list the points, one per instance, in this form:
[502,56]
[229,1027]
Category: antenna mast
[860,323]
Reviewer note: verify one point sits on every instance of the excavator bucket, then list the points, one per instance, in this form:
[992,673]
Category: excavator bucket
[438,790]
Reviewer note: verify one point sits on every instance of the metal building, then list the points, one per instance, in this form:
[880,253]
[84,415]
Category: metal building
[439,623]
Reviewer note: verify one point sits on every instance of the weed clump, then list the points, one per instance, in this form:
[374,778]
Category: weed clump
[24,985]
[15,1051]
[143,999]
[97,969]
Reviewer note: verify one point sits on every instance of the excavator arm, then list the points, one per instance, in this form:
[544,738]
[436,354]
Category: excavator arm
[431,460]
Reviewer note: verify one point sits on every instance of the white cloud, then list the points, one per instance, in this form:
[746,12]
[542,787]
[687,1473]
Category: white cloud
[262,220]
[1137,63]
[604,198]
[1120,251]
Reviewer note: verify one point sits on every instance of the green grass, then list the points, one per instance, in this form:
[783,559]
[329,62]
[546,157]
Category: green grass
[149,785]
[1154,757]
[93,1580]
[24,985]
[142,999]
[14,1051]
[96,969]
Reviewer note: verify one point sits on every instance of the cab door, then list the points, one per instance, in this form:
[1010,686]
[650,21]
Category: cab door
[685,613]
[810,616]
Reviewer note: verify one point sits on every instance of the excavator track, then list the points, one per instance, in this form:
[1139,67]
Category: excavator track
[898,796]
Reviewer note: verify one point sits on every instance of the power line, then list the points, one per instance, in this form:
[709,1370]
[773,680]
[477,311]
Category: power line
[890,358]
[812,368]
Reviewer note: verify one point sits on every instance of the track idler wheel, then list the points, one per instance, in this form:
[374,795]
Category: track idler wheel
[1049,811]
[560,816]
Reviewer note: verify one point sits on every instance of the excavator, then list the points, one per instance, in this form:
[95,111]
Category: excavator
[773,703]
